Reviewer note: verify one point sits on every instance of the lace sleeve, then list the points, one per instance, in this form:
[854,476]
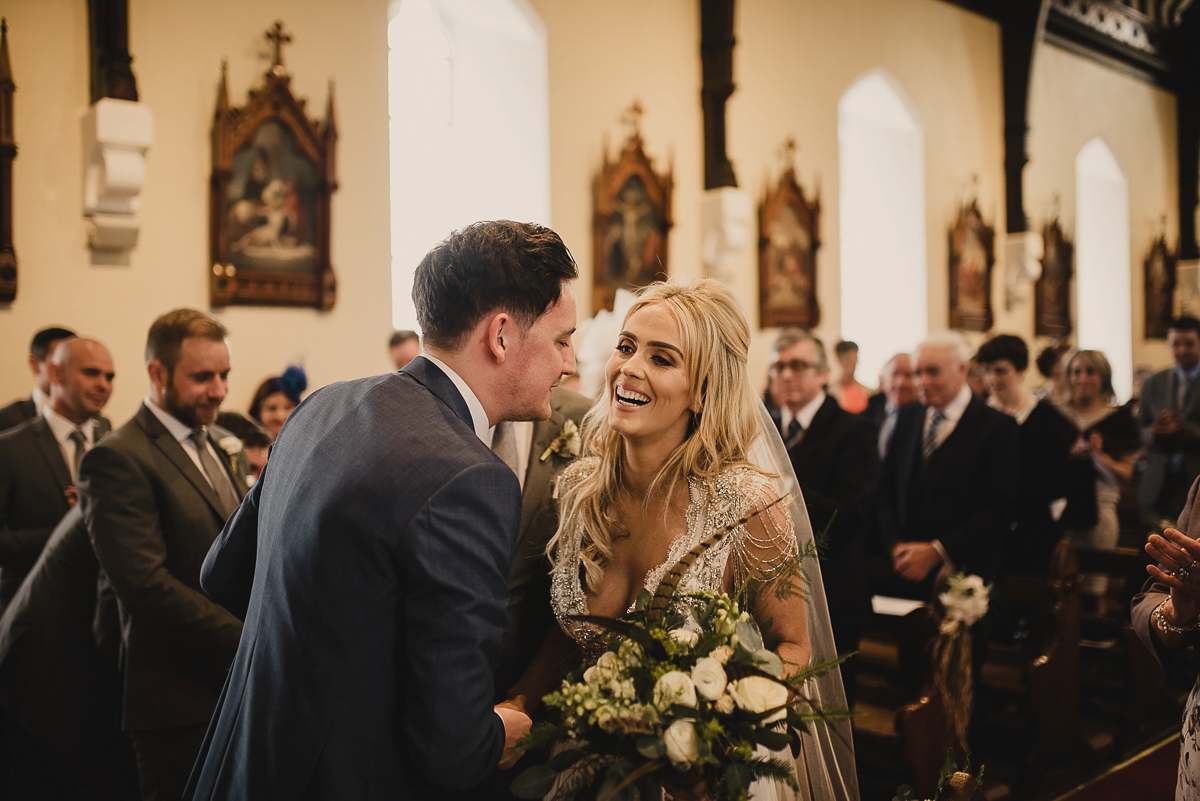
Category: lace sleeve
[764,549]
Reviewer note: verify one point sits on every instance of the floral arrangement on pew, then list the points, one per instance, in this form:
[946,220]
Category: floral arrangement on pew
[953,784]
[686,692]
[963,601]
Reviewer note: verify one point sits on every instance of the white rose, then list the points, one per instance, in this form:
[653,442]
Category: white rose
[722,653]
[682,743]
[758,694]
[709,678]
[231,445]
[685,636]
[725,704]
[607,661]
[674,687]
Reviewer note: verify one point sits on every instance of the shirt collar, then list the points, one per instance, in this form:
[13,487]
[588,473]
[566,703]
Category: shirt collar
[180,431]
[38,398]
[809,410]
[479,418]
[1190,375]
[955,408]
[62,428]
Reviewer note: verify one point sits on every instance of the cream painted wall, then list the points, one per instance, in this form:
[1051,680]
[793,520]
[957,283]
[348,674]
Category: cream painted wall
[177,58]
[793,61]
[1074,99]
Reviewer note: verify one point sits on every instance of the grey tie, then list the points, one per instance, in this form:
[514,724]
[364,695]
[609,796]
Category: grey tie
[931,440]
[504,445]
[795,432]
[80,440]
[1181,392]
[217,477]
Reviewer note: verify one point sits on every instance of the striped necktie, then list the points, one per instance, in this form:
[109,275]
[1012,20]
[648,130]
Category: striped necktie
[931,435]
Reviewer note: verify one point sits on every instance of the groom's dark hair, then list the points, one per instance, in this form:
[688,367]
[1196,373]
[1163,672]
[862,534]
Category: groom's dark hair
[518,267]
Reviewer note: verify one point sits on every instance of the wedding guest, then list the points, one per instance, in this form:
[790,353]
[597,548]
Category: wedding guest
[404,346]
[1169,418]
[41,346]
[256,440]
[154,496]
[896,388]
[371,561]
[276,397]
[1054,387]
[1102,458]
[851,395]
[39,459]
[1046,438]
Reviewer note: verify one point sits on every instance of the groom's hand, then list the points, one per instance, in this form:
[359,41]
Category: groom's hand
[516,726]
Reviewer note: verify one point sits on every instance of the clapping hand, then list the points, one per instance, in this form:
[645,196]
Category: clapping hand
[1167,423]
[915,560]
[1177,554]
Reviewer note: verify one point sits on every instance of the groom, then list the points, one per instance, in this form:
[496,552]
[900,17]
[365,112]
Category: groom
[369,562]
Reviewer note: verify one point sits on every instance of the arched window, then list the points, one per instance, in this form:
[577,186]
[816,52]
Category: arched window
[469,125]
[881,212]
[1102,275]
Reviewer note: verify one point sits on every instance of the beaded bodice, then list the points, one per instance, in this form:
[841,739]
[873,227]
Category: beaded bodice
[738,492]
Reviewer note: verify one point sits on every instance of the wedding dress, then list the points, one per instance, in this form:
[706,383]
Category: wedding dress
[825,768]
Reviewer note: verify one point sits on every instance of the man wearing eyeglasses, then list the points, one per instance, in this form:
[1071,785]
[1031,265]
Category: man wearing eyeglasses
[833,453]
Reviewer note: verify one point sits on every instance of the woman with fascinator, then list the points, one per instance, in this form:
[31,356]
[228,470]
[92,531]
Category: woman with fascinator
[276,397]
[677,447]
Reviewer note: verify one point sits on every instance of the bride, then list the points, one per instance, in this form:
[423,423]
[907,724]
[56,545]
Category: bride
[677,448]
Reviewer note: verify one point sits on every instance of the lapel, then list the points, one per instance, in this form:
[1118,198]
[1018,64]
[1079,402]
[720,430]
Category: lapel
[946,456]
[100,427]
[818,429]
[47,446]
[432,378]
[537,484]
[235,465]
[166,444]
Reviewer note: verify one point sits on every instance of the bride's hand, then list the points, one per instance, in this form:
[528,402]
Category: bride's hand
[516,726]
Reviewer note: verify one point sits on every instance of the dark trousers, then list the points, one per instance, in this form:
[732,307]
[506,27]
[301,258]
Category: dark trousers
[164,760]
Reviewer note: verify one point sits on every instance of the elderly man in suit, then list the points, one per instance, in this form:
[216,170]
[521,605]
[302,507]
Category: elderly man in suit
[41,347]
[39,459]
[154,495]
[896,388]
[948,487]
[1169,416]
[833,454]
[371,560]
[60,692]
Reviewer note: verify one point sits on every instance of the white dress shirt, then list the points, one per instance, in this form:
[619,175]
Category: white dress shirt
[183,435]
[479,418]
[62,429]
[950,416]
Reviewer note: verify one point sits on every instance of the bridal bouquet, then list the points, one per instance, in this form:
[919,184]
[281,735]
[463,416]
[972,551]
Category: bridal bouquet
[688,691]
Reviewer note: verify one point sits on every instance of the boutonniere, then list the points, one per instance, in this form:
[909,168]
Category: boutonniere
[232,447]
[566,444]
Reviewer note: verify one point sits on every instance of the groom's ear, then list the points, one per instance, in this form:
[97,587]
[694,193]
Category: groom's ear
[500,331]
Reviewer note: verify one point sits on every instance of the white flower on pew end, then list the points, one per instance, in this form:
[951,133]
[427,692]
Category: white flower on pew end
[965,598]
[757,694]
[682,743]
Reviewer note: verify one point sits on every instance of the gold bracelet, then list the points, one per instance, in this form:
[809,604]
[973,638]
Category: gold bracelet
[1160,620]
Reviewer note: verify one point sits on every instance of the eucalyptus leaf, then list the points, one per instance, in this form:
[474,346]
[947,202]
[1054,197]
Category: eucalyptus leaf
[534,782]
[749,637]
[770,662]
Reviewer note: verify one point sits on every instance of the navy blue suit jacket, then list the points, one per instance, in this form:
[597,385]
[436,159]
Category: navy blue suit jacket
[369,563]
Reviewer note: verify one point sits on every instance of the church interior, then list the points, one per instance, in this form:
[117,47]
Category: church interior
[1081,116]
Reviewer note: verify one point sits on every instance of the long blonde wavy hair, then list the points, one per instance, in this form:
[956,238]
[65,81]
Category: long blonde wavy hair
[716,343]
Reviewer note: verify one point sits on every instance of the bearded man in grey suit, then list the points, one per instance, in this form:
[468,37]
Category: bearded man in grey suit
[370,560]
[39,458]
[154,496]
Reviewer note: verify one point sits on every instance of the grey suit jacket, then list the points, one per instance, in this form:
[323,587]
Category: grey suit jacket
[34,479]
[151,517]
[17,412]
[1158,394]
[370,564]
[529,612]
[1153,593]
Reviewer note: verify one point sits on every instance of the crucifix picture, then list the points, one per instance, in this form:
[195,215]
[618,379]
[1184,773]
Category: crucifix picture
[273,175]
[631,219]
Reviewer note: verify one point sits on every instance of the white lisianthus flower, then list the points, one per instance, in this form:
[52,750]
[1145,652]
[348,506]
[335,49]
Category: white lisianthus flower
[674,687]
[684,636]
[630,653]
[725,704]
[607,661]
[709,678]
[758,694]
[591,676]
[683,746]
[722,653]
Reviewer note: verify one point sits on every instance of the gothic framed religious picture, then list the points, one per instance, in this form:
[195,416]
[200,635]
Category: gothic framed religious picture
[272,180]
[1052,290]
[1160,289]
[631,219]
[788,238]
[971,259]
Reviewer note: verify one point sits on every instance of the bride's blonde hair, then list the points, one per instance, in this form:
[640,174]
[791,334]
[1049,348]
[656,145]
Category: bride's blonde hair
[716,344]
